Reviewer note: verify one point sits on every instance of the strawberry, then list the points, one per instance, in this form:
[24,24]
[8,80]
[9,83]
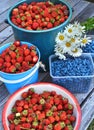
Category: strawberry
[12,68]
[17,43]
[33,100]
[33,53]
[57,127]
[49,25]
[35,25]
[11,117]
[19,109]
[72,118]
[20,59]
[12,54]
[28,58]
[7,58]
[11,126]
[26,125]
[24,95]
[35,59]
[18,127]
[63,116]
[24,46]
[1,60]
[12,47]
[25,65]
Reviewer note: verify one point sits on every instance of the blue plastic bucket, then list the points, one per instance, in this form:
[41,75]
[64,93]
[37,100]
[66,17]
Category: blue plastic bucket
[45,39]
[15,81]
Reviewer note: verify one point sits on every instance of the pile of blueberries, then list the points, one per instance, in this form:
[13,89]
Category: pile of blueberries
[89,48]
[72,67]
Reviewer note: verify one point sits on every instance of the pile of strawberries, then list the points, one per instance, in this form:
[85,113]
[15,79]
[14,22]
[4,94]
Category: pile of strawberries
[18,57]
[39,15]
[45,111]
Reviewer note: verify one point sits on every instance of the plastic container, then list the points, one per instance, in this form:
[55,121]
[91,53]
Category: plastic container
[39,88]
[15,81]
[89,48]
[75,84]
[45,39]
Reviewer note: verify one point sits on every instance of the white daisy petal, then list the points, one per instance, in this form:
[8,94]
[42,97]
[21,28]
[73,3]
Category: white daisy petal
[71,40]
[76,52]
[60,38]
[85,40]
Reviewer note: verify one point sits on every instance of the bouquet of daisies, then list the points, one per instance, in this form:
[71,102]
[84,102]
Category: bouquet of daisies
[71,40]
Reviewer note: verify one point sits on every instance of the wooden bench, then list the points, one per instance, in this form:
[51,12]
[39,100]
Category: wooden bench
[82,10]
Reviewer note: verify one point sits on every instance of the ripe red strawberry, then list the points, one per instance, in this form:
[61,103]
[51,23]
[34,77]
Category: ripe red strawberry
[17,43]
[49,25]
[12,54]
[24,95]
[54,14]
[26,125]
[17,127]
[57,127]
[7,58]
[23,119]
[8,64]
[12,68]
[19,109]
[52,119]
[25,65]
[63,116]
[72,118]
[35,25]
[15,11]
[35,59]
[11,126]
[33,53]
[28,58]
[1,60]
[11,117]
[20,59]
[24,46]
[33,100]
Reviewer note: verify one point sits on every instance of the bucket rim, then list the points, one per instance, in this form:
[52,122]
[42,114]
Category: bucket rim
[30,68]
[42,31]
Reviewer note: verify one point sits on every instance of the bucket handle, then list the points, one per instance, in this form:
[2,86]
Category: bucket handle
[22,79]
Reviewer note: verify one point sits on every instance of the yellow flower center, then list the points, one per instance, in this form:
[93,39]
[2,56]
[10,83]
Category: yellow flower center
[84,41]
[72,39]
[75,51]
[70,30]
[61,37]
[68,44]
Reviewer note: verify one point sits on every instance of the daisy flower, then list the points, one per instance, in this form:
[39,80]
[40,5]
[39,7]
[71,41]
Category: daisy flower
[59,51]
[71,40]
[60,38]
[85,40]
[76,52]
[67,46]
[69,30]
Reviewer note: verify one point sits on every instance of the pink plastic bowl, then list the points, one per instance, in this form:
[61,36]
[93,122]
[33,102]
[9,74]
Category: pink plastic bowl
[39,88]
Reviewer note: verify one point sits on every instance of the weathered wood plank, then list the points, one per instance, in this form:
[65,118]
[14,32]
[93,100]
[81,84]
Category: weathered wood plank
[6,4]
[87,112]
[86,13]
[6,33]
[78,8]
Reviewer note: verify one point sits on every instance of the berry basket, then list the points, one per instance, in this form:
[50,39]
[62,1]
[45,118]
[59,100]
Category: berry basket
[43,39]
[38,122]
[89,48]
[75,74]
[14,81]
